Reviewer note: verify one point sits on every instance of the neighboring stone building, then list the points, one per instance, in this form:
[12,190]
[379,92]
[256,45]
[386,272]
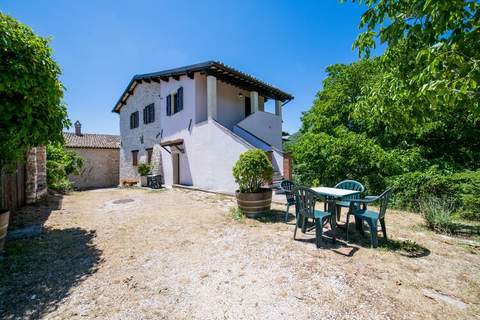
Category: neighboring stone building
[101,155]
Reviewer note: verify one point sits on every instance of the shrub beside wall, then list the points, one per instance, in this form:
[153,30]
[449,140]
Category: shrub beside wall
[462,188]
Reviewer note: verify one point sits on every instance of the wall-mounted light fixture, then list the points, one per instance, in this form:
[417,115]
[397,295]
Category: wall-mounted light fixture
[240,95]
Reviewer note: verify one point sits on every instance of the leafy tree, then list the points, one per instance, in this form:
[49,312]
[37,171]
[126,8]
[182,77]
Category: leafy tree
[60,164]
[432,57]
[342,138]
[31,108]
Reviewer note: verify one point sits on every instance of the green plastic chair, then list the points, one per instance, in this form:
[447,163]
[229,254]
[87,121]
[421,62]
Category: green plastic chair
[345,202]
[371,217]
[305,200]
[288,187]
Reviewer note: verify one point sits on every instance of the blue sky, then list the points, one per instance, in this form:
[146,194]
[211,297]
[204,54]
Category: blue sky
[100,45]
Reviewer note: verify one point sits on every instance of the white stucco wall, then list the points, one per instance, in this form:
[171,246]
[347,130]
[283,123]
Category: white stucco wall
[265,126]
[230,108]
[200,98]
[211,148]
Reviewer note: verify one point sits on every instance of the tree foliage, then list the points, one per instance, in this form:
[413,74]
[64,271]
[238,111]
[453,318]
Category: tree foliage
[60,164]
[342,138]
[31,108]
[432,55]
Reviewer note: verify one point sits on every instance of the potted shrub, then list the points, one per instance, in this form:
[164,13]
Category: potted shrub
[144,170]
[252,170]
[4,217]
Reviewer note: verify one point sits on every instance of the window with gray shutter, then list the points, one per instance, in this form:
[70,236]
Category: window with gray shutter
[149,114]
[134,121]
[169,105]
[180,99]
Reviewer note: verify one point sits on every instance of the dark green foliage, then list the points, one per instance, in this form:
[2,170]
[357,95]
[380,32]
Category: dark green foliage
[252,170]
[409,118]
[461,188]
[31,108]
[433,51]
[144,169]
[61,163]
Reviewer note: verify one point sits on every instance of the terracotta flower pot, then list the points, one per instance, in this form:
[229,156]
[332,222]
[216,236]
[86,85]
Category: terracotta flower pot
[253,204]
[4,217]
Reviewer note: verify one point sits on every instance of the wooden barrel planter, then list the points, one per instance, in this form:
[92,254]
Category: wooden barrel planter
[4,217]
[253,204]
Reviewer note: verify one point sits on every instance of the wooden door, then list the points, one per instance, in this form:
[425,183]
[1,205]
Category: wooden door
[176,167]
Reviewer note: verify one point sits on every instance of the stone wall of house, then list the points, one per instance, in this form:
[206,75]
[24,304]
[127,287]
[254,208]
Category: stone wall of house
[36,174]
[101,168]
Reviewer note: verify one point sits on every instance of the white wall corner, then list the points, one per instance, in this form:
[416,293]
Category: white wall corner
[254,101]
[212,97]
[278,108]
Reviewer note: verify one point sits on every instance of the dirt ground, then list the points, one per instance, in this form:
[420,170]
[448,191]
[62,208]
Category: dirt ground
[178,254]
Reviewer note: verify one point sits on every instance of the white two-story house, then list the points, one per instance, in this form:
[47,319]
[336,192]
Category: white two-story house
[192,123]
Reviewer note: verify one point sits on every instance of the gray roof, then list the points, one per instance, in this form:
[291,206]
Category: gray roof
[91,140]
[214,68]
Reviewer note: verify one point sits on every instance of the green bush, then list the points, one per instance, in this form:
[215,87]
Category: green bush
[60,164]
[437,213]
[251,170]
[463,188]
[144,169]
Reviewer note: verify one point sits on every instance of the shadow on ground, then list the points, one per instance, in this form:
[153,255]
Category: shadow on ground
[36,274]
[37,213]
[273,216]
[407,248]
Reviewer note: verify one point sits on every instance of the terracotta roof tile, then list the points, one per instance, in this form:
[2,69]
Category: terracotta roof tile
[92,140]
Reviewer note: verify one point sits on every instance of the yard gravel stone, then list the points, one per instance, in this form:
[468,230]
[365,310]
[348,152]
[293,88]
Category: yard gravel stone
[178,254]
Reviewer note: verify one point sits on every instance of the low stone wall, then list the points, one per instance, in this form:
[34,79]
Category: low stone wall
[36,174]
[101,168]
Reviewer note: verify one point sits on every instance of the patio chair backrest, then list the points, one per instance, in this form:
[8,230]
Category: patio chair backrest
[288,186]
[351,185]
[383,200]
[305,199]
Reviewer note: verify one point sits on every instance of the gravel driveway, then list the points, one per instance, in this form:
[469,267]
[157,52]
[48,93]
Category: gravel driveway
[177,254]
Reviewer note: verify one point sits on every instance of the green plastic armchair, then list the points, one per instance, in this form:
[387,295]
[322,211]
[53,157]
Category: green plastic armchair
[359,209]
[288,187]
[305,200]
[345,202]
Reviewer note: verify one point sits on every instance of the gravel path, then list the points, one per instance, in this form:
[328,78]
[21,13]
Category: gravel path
[177,254]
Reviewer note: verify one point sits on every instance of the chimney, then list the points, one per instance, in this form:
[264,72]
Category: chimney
[78,128]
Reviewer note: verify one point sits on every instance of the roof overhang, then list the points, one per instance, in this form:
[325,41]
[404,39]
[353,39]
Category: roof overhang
[221,71]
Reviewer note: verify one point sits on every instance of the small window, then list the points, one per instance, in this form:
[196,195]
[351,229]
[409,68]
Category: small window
[134,120]
[169,105]
[179,99]
[175,103]
[149,155]
[134,158]
[149,114]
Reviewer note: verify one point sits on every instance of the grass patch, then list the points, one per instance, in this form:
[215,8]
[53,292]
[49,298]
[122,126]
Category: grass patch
[438,214]
[237,214]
